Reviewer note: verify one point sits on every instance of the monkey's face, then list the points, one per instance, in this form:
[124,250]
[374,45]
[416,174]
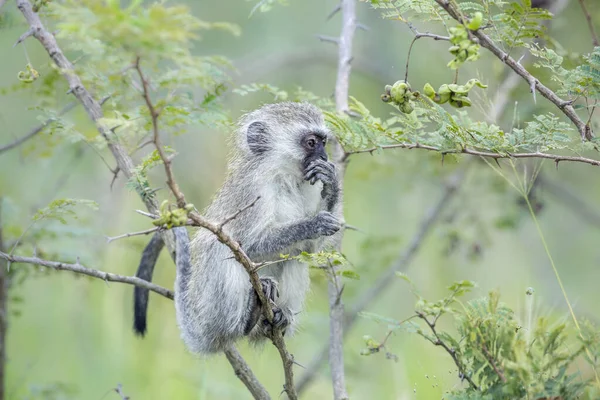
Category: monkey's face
[313,145]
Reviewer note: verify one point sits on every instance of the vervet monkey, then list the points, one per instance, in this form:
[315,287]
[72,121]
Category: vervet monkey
[280,159]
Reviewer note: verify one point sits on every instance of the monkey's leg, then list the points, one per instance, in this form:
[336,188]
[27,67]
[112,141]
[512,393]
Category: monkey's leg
[145,271]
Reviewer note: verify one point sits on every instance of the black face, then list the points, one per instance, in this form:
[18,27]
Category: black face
[314,147]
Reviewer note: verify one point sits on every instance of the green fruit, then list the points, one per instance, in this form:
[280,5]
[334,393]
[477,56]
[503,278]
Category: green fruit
[386,98]
[475,22]
[398,91]
[429,91]
[406,107]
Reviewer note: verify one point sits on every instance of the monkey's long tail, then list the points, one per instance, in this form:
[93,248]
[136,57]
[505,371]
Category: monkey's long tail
[145,271]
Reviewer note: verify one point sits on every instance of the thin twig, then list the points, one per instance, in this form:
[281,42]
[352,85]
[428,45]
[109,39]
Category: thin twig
[418,35]
[36,130]
[387,277]
[484,40]
[554,157]
[4,285]
[330,39]
[80,269]
[130,234]
[439,342]
[337,9]
[590,23]
[490,359]
[119,391]
[237,213]
[245,374]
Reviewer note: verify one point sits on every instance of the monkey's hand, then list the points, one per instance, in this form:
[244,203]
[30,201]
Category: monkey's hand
[321,170]
[326,224]
[324,171]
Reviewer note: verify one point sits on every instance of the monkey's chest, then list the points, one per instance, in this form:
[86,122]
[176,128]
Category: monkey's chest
[299,201]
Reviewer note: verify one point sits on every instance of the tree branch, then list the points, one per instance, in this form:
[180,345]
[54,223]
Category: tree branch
[130,234]
[590,23]
[243,372]
[80,269]
[4,284]
[485,41]
[334,287]
[387,277]
[35,130]
[487,154]
[124,161]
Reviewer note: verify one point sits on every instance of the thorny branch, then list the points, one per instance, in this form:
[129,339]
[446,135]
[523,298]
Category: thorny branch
[217,229]
[80,269]
[439,342]
[124,161]
[484,40]
[554,157]
[130,234]
[590,23]
[418,35]
[336,305]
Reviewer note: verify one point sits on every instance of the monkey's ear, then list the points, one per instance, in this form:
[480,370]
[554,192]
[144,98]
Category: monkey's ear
[257,136]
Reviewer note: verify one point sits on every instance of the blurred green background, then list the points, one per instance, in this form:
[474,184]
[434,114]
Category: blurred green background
[77,331]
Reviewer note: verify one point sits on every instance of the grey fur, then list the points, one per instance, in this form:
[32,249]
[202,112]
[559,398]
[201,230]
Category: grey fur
[214,300]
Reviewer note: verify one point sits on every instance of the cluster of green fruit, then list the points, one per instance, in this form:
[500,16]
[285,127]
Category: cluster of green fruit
[29,75]
[452,93]
[400,94]
[171,218]
[464,48]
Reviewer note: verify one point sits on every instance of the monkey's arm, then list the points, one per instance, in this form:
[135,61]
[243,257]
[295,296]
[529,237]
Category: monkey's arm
[276,240]
[324,171]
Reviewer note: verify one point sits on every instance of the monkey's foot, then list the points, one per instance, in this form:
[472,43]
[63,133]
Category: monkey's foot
[269,288]
[280,322]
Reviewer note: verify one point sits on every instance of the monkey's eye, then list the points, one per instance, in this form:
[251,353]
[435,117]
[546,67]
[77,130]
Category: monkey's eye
[311,143]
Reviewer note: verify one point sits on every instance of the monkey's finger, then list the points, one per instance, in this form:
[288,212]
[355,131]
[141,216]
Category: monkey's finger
[319,177]
[310,174]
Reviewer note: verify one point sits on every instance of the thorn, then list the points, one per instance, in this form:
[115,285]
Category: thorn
[115,174]
[443,156]
[298,364]
[330,39]
[352,113]
[556,163]
[337,9]
[23,37]
[498,163]
[363,27]
[532,89]
[350,60]
[339,295]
